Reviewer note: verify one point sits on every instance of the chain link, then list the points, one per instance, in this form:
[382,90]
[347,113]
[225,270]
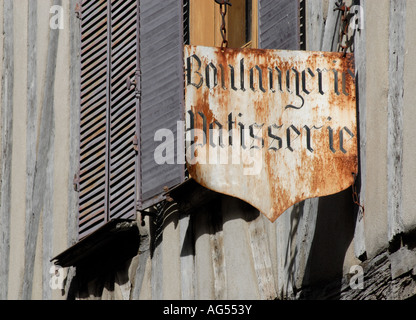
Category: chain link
[223,11]
[345,41]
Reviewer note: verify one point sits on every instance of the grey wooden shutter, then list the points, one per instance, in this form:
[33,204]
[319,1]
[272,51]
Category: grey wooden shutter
[108,124]
[93,192]
[123,109]
[279,24]
[161,43]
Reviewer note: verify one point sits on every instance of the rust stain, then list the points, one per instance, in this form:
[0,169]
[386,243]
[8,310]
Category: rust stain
[272,99]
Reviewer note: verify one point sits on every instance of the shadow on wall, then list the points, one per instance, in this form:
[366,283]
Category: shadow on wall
[334,231]
[211,217]
[106,267]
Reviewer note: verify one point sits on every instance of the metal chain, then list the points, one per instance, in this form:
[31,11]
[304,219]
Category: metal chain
[345,42]
[223,11]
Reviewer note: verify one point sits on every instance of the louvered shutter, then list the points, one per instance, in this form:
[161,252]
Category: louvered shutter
[123,109]
[279,24]
[161,43]
[108,117]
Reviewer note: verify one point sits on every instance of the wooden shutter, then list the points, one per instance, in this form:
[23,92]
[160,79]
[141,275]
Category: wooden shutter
[123,109]
[279,24]
[108,124]
[161,43]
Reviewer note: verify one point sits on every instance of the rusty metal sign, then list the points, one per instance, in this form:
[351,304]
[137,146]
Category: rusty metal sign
[270,127]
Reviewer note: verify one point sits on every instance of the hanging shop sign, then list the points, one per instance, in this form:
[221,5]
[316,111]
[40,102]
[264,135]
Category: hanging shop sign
[270,127]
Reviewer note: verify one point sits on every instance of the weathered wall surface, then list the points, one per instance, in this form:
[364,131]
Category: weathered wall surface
[223,248]
[38,139]
[409,116]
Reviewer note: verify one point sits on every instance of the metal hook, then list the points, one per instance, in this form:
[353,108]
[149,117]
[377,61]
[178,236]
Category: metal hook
[223,9]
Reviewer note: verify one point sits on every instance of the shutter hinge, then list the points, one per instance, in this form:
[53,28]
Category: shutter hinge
[136,143]
[78,11]
[76,182]
[134,84]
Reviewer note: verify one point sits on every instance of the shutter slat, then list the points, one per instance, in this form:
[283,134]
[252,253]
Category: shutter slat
[89,19]
[92,113]
[91,6]
[90,34]
[92,206]
[90,30]
[121,141]
[97,60]
[119,92]
[99,98]
[99,51]
[125,105]
[93,117]
[90,189]
[89,83]
[94,151]
[91,139]
[88,51]
[92,128]
[122,175]
[92,224]
[121,152]
[99,169]
[122,207]
[123,68]
[123,113]
[121,155]
[99,91]
[87,157]
[97,194]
